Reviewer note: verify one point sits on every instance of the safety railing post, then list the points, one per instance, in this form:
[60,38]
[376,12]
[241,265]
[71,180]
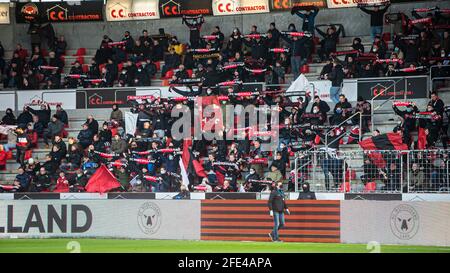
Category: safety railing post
[448,176]
[296,173]
[401,172]
[408,161]
[343,175]
[360,126]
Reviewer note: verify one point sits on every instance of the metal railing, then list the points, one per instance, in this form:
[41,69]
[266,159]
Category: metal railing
[345,123]
[431,76]
[438,79]
[357,171]
[373,109]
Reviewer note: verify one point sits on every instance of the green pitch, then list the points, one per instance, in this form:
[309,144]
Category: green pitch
[171,246]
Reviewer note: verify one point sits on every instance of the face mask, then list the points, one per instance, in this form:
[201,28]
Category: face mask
[163,172]
[409,110]
[170,157]
[339,111]
[252,172]
[209,92]
[315,111]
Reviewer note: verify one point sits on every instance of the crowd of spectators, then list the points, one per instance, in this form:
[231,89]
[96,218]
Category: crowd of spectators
[149,159]
[261,56]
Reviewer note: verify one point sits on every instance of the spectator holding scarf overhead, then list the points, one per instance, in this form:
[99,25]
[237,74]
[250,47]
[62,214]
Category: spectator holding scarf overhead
[329,41]
[408,120]
[376,19]
[308,17]
[194,24]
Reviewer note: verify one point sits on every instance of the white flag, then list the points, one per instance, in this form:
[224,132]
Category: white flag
[130,123]
[184,174]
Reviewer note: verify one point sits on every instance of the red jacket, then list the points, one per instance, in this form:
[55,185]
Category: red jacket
[3,158]
[62,185]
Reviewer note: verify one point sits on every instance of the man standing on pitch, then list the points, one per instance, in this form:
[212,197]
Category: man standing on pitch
[277,205]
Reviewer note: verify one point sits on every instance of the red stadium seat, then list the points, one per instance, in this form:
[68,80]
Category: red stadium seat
[370,187]
[169,74]
[100,67]
[85,68]
[44,52]
[158,66]
[80,52]
[190,72]
[63,133]
[347,187]
[79,59]
[386,37]
[120,67]
[304,69]
[28,154]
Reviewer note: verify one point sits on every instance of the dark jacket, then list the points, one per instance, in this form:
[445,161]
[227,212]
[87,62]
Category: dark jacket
[55,128]
[75,158]
[336,76]
[297,47]
[308,20]
[258,48]
[276,201]
[42,182]
[93,126]
[24,180]
[63,116]
[376,17]
[9,119]
[24,118]
[85,136]
[44,115]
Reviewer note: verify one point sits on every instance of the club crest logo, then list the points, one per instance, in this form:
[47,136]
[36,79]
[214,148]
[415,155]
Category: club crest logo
[149,218]
[404,222]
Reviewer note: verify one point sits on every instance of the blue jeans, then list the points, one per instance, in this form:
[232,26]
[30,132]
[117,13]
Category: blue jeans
[296,63]
[374,31]
[278,223]
[335,91]
[8,147]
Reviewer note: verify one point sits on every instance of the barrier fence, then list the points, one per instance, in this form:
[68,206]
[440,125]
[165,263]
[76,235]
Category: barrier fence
[425,171]
[330,221]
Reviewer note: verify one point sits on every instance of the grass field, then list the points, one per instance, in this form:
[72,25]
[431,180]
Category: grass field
[171,246]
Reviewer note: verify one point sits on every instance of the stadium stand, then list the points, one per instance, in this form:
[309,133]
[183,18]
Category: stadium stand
[319,142]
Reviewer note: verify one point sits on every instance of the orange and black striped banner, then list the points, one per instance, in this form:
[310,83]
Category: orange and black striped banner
[249,220]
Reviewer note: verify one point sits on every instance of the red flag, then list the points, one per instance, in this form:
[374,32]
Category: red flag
[102,181]
[383,142]
[422,139]
[191,165]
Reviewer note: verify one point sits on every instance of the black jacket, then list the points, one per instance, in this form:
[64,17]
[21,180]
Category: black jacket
[336,76]
[276,201]
[297,46]
[44,115]
[24,118]
[376,17]
[63,116]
